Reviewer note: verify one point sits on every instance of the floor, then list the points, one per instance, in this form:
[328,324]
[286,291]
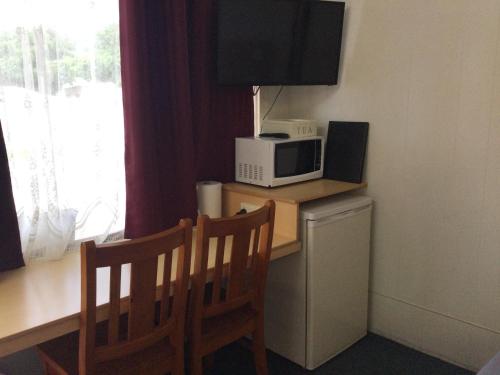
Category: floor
[374,355]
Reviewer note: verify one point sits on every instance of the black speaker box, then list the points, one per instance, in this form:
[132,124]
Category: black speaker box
[345,151]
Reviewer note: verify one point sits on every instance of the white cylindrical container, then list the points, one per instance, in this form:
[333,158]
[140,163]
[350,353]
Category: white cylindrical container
[209,195]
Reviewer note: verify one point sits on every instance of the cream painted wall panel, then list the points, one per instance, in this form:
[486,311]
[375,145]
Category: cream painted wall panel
[464,203]
[489,249]
[489,277]
[432,118]
[480,36]
[451,279]
[426,75]
[280,109]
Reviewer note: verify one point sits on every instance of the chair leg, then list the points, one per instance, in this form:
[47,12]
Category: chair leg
[209,361]
[196,362]
[46,369]
[259,349]
[178,368]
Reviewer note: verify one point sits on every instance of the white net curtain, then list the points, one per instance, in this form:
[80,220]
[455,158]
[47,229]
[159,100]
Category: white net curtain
[61,114]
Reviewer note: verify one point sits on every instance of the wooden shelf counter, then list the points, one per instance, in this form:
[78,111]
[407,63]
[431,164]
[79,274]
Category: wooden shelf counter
[288,199]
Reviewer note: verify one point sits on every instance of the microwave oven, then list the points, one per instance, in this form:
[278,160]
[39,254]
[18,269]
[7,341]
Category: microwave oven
[274,162]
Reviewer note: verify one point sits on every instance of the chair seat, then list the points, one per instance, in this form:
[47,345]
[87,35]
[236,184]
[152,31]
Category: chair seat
[63,353]
[224,329]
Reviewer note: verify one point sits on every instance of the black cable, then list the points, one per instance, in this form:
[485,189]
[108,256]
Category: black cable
[274,102]
[255,92]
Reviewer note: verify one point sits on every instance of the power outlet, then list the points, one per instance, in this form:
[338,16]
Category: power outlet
[248,207]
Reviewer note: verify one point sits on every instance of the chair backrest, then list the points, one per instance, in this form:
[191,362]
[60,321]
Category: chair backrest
[249,240]
[144,327]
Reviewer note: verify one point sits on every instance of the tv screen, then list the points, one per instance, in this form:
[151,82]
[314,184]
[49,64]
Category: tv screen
[278,42]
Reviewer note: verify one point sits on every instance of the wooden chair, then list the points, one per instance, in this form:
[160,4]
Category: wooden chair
[238,309]
[147,340]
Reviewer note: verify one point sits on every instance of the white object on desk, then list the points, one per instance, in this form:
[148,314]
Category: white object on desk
[209,194]
[317,300]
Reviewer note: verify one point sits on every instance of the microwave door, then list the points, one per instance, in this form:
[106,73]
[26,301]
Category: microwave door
[296,158]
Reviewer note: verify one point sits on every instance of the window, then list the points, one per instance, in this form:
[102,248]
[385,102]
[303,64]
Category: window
[61,113]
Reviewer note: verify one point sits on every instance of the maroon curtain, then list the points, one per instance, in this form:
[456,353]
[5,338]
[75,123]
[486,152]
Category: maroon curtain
[220,113]
[10,242]
[179,125]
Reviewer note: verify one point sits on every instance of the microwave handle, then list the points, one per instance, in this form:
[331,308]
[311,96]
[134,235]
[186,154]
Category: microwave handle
[318,156]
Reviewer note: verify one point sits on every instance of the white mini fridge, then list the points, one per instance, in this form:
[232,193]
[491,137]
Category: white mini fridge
[317,300]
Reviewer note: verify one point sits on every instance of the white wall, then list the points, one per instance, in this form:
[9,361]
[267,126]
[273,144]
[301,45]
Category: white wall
[426,75]
[280,108]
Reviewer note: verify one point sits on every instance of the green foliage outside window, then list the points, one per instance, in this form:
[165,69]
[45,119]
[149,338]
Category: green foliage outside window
[65,65]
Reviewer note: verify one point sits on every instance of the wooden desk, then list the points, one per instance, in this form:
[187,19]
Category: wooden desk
[42,301]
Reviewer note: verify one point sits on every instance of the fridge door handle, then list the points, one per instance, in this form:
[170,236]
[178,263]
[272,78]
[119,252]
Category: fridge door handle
[336,217]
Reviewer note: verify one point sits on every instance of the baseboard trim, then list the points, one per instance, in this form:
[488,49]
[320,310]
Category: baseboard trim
[453,340]
[423,308]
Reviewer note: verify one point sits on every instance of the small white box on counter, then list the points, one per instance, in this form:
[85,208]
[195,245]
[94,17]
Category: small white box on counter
[295,128]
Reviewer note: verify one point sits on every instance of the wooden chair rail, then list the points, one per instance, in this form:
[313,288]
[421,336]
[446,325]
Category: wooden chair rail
[151,246]
[224,307]
[235,224]
[124,348]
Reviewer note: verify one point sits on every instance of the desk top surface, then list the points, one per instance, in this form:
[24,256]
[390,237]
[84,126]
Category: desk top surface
[42,300]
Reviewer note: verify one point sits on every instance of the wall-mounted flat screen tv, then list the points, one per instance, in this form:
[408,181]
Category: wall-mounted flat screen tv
[278,42]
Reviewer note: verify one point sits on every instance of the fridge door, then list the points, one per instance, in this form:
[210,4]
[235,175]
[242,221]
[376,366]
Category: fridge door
[337,283]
